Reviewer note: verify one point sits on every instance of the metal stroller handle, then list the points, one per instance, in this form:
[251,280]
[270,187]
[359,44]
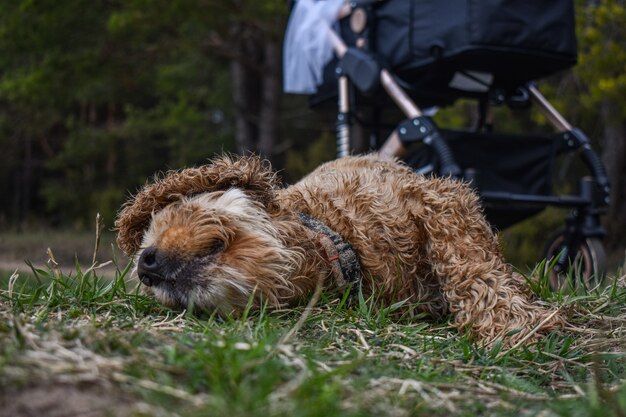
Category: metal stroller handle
[394,146]
[554,117]
[589,157]
[448,167]
[575,139]
[596,166]
[423,129]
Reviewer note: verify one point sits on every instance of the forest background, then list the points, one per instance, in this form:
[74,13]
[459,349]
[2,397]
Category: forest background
[98,95]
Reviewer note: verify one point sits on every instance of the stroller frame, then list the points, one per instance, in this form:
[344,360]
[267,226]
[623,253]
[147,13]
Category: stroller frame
[574,253]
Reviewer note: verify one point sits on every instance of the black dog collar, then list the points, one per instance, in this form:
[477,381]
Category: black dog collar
[340,255]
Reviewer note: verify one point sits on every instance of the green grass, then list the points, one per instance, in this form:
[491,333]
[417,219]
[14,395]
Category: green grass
[101,340]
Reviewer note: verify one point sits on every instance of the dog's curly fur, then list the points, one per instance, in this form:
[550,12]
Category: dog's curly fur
[231,231]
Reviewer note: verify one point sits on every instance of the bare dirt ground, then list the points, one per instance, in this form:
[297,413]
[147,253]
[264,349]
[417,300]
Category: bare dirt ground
[62,400]
[17,250]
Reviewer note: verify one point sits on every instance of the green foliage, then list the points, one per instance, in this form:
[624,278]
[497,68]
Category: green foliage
[602,61]
[523,244]
[301,162]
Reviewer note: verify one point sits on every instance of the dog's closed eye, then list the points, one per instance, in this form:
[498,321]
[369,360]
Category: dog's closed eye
[215,246]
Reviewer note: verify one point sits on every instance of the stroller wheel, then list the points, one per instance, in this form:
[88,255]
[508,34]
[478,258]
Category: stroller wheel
[585,267]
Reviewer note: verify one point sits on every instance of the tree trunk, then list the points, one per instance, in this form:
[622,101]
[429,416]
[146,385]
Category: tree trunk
[255,74]
[270,93]
[614,157]
[27,178]
[244,137]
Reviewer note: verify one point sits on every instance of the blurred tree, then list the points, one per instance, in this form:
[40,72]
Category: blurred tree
[44,59]
[95,95]
[245,34]
[595,94]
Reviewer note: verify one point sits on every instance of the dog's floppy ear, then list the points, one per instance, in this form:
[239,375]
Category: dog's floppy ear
[249,173]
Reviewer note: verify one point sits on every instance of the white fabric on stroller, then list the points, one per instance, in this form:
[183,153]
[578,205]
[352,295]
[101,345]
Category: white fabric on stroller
[307,49]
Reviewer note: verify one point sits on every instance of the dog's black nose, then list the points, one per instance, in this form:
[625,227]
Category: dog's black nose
[150,266]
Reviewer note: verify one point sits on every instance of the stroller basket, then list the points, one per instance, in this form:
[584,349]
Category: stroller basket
[519,164]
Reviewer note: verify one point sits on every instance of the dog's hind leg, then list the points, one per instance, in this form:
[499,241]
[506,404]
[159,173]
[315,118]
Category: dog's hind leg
[481,290]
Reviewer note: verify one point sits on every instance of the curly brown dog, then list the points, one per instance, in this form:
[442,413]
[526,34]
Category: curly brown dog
[218,236]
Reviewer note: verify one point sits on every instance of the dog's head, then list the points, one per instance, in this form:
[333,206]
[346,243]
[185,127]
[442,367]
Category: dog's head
[205,237]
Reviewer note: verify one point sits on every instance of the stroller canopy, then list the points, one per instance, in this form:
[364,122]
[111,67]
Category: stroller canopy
[464,45]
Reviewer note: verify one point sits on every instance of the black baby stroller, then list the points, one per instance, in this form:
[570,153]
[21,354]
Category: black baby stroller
[430,53]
